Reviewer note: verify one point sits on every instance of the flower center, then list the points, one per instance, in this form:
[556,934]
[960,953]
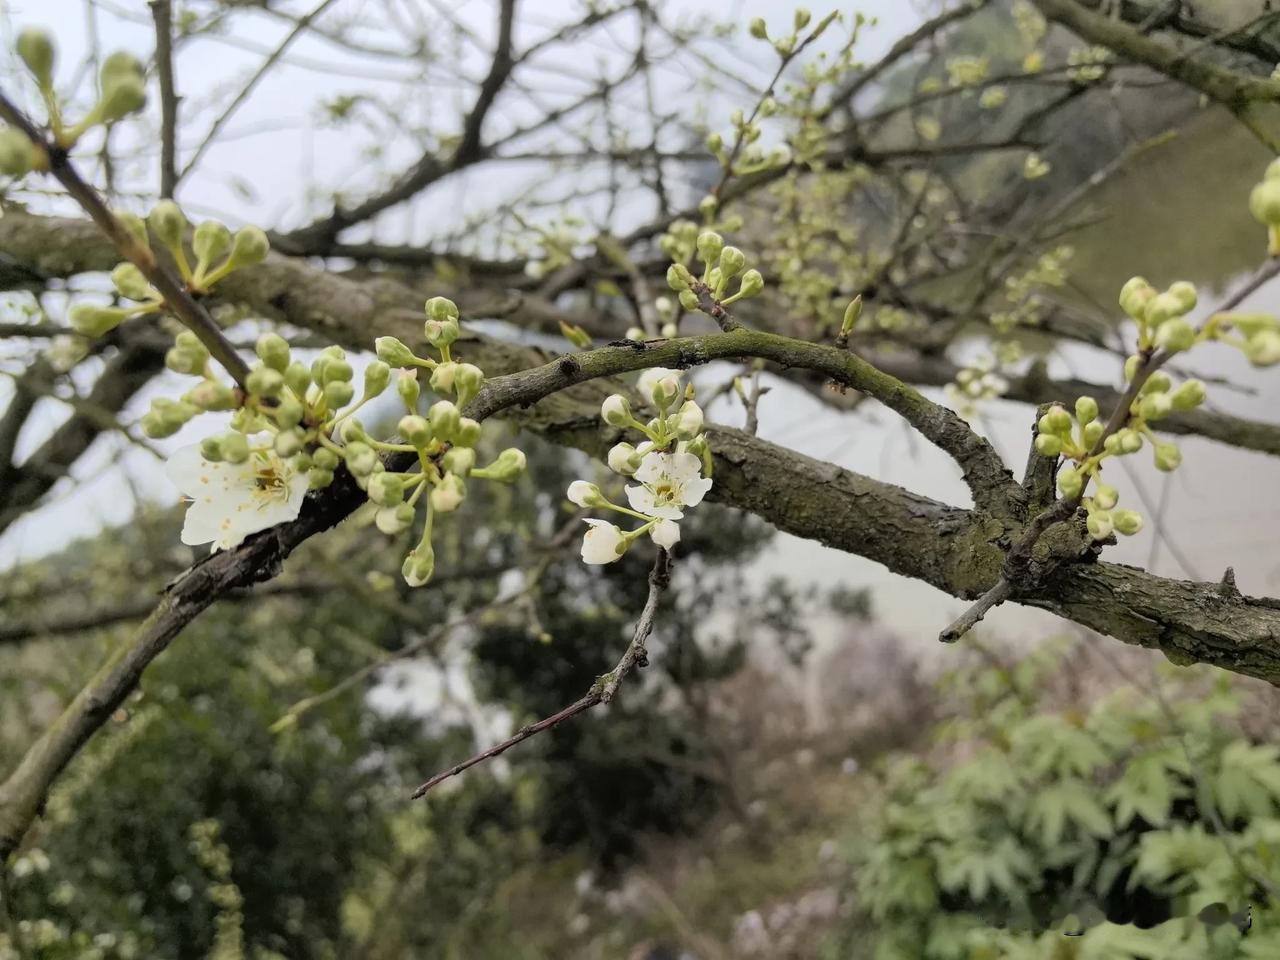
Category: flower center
[271,480]
[665,492]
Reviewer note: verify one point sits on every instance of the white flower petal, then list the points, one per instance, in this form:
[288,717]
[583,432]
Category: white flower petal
[652,467]
[665,533]
[695,490]
[643,501]
[683,466]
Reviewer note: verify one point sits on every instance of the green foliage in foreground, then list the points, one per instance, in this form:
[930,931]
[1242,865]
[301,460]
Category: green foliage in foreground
[1140,825]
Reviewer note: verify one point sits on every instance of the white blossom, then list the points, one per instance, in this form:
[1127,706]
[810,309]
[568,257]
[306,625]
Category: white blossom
[670,482]
[229,501]
[584,494]
[659,386]
[665,533]
[603,543]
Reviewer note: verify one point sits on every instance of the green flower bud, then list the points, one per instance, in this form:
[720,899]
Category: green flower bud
[351,430]
[386,489]
[448,494]
[130,283]
[1167,456]
[336,370]
[248,421]
[17,153]
[135,226]
[187,355]
[1100,524]
[582,493]
[377,376]
[1264,202]
[506,468]
[442,377]
[689,300]
[1135,295]
[802,16]
[35,47]
[419,565]
[289,442]
[1188,396]
[1131,367]
[1112,445]
[273,350]
[1105,495]
[1055,420]
[394,353]
[1048,444]
[212,395]
[575,335]
[1092,433]
[459,460]
[751,285]
[1154,406]
[166,417]
[468,432]
[758,28]
[732,260]
[168,223]
[1127,522]
[715,142]
[211,241]
[851,314]
[441,309]
[678,277]
[441,333]
[616,411]
[338,393]
[1176,335]
[444,419]
[1162,308]
[1249,323]
[467,380]
[249,248]
[1158,382]
[297,378]
[1130,440]
[211,449]
[1262,349]
[264,382]
[710,244]
[89,320]
[318,478]
[415,430]
[120,65]
[124,96]
[289,412]
[1185,293]
[393,520]
[235,447]
[1086,410]
[407,387]
[361,459]
[1070,483]
[325,459]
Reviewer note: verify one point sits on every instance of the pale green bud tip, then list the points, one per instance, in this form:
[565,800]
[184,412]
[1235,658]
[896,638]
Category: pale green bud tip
[169,223]
[732,260]
[1175,336]
[93,321]
[338,393]
[1264,201]
[130,282]
[444,419]
[575,335]
[689,300]
[1263,348]
[376,378]
[123,87]
[678,277]
[441,309]
[1070,482]
[394,353]
[211,240]
[1086,410]
[752,284]
[1167,456]
[1188,396]
[249,247]
[1134,296]
[616,411]
[758,28]
[1049,445]
[419,565]
[211,449]
[509,466]
[710,244]
[1127,522]
[802,17]
[1055,421]
[234,447]
[851,314]
[264,382]
[35,47]
[273,350]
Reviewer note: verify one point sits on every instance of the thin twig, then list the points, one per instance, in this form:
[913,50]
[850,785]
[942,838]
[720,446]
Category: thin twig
[602,691]
[162,13]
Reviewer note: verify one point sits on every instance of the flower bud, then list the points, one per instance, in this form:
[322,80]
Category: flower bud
[1167,456]
[467,380]
[386,488]
[1055,420]
[1135,295]
[710,244]
[212,395]
[715,142]
[758,28]
[273,350]
[297,378]
[407,387]
[1100,524]
[1185,293]
[210,242]
[1154,406]
[1158,382]
[751,285]
[264,382]
[35,47]
[1086,410]
[616,411]
[318,478]
[1176,335]
[623,459]
[678,277]
[1048,444]
[1130,440]
[1188,396]
[288,443]
[1162,308]
[325,459]
[448,494]
[1131,367]
[377,375]
[1070,483]
[336,370]
[394,353]
[1262,349]
[1092,433]
[1264,202]
[441,309]
[135,226]
[130,283]
[289,412]
[338,394]
[17,153]
[415,430]
[689,300]
[249,248]
[507,467]
[393,520]
[1105,495]
[211,449]
[419,564]
[442,377]
[851,314]
[122,97]
[235,447]
[166,417]
[584,494]
[459,460]
[670,331]
[688,421]
[441,333]
[732,260]
[89,320]
[575,335]
[444,419]
[169,224]
[1127,522]
[468,433]
[361,458]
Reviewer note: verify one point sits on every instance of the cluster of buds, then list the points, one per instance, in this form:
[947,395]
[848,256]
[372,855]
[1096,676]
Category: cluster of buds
[721,265]
[680,242]
[668,467]
[216,250]
[1162,323]
[292,428]
[786,45]
[967,71]
[122,91]
[974,383]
